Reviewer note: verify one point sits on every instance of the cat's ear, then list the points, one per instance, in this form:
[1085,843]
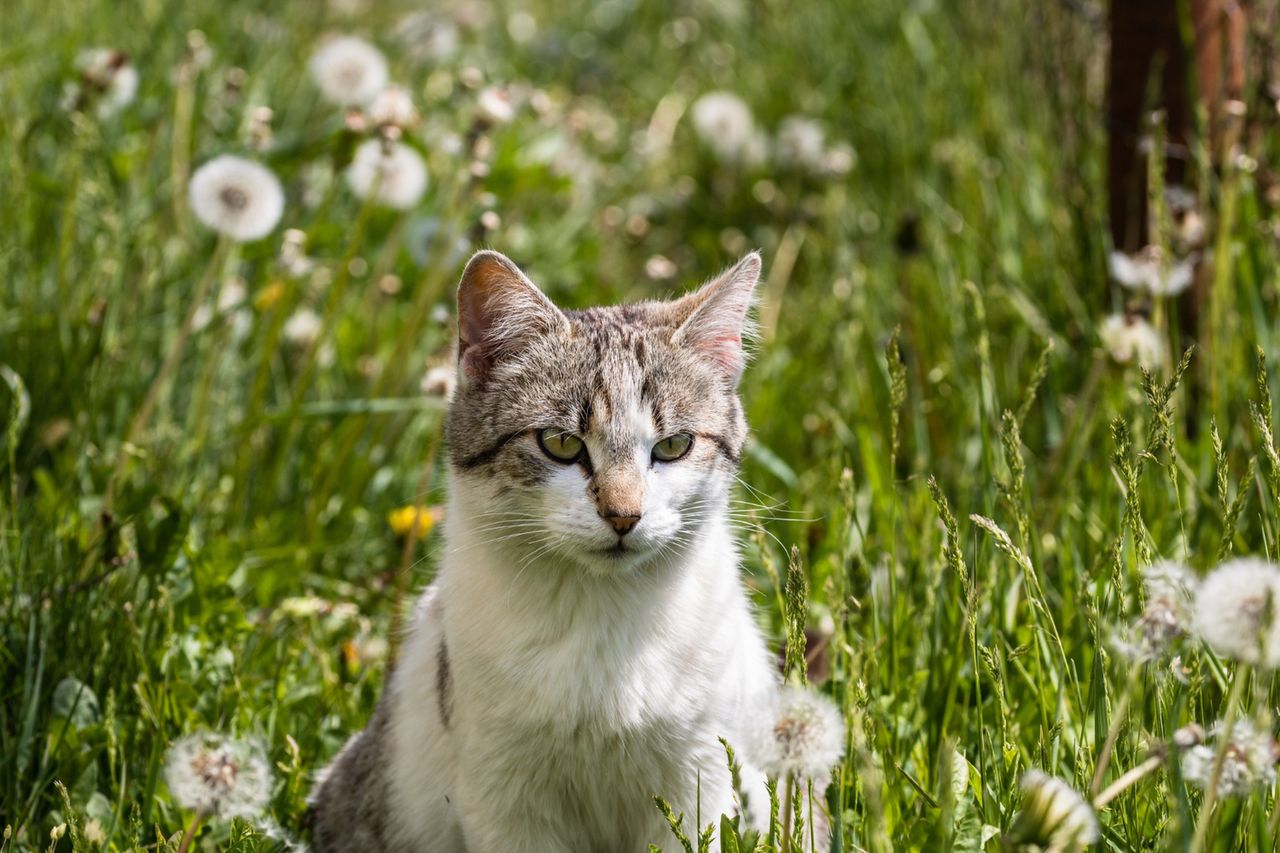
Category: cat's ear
[713,319]
[499,310]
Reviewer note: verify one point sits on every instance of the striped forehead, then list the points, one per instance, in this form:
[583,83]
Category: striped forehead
[622,402]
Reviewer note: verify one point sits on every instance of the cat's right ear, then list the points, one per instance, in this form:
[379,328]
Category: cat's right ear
[499,309]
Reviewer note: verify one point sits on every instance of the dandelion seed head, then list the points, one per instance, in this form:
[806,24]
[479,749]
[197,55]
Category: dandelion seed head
[1235,611]
[392,170]
[439,381]
[110,77]
[1130,338]
[801,143]
[426,36]
[393,107]
[494,106]
[1147,271]
[237,197]
[349,71]
[302,327]
[1053,816]
[1249,761]
[724,123]
[802,735]
[219,776]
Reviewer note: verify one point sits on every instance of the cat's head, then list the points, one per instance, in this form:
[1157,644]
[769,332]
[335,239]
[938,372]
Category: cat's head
[605,437]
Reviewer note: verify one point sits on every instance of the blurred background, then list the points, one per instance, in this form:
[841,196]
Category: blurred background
[222,391]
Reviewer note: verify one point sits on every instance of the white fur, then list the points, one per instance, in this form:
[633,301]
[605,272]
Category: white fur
[582,684]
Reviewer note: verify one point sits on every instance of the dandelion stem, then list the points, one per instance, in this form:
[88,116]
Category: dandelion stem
[1113,733]
[1127,779]
[190,834]
[170,365]
[406,555]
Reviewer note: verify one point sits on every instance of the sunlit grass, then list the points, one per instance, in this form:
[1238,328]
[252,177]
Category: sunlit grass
[943,448]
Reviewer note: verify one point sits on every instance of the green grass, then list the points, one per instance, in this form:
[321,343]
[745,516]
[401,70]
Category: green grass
[971,563]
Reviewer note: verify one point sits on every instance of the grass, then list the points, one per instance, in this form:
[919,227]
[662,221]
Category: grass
[970,486]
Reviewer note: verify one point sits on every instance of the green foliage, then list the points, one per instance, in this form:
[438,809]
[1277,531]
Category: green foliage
[929,353]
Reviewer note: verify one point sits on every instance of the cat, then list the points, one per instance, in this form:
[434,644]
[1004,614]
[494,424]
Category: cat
[587,639]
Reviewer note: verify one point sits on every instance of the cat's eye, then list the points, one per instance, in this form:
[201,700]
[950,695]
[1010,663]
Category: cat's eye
[672,447]
[560,444]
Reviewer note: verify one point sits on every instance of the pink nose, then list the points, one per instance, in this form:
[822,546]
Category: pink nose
[621,524]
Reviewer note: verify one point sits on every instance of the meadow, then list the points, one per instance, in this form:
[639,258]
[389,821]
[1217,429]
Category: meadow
[220,463]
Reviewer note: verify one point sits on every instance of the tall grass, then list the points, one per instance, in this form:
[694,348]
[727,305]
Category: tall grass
[970,485]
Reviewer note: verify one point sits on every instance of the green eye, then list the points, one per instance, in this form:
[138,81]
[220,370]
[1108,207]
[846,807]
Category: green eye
[560,444]
[672,447]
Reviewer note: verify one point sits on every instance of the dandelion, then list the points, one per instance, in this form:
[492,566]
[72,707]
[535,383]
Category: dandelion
[1170,590]
[427,37]
[801,143]
[236,197]
[660,267]
[94,833]
[108,76]
[393,108]
[407,518]
[214,775]
[494,106]
[439,381]
[1054,816]
[1188,224]
[391,171]
[1249,760]
[303,327]
[349,71]
[1129,337]
[1146,271]
[840,159]
[804,738]
[724,123]
[269,296]
[1235,611]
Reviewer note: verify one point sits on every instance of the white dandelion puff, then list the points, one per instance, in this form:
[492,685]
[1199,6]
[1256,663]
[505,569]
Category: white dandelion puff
[724,123]
[801,143]
[439,382]
[802,736]
[1171,589]
[349,71]
[393,107]
[494,106]
[237,197]
[1249,761]
[1235,611]
[303,327]
[1147,271]
[1053,816]
[109,78]
[392,171]
[219,776]
[427,37]
[1130,338]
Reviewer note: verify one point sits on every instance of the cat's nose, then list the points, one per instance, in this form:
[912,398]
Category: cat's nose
[621,524]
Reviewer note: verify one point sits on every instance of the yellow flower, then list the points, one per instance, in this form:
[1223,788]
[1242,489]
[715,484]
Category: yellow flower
[404,519]
[268,296]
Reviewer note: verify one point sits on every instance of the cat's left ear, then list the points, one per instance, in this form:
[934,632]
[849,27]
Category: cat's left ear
[715,316]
